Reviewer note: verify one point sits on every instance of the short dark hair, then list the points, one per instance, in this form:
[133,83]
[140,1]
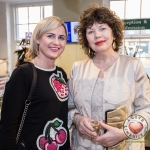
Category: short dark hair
[100,14]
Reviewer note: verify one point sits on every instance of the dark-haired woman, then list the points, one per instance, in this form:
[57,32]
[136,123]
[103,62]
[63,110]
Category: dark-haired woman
[105,81]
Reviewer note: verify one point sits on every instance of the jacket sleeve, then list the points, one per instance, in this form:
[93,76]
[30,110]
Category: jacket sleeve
[71,104]
[142,93]
[13,104]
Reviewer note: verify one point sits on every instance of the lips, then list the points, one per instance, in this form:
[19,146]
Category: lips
[54,49]
[99,42]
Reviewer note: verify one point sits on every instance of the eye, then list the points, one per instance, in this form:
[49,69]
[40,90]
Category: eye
[102,29]
[90,32]
[51,36]
[62,38]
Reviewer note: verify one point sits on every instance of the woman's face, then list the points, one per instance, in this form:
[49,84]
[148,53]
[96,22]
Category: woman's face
[100,37]
[52,43]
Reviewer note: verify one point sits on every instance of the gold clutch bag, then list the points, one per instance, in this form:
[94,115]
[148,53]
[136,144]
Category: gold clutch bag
[116,119]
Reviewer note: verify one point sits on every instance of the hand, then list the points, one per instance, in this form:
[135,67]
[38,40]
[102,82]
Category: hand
[111,137]
[84,127]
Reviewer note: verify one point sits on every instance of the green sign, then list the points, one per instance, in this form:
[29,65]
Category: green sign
[136,24]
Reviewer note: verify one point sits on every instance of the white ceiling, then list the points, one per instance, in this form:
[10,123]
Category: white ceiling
[25,1]
[16,2]
[20,0]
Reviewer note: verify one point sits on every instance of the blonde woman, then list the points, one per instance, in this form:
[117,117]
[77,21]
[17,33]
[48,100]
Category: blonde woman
[45,126]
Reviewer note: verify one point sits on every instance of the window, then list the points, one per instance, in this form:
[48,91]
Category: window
[28,17]
[145,13]
[134,9]
[131,9]
[142,48]
[118,7]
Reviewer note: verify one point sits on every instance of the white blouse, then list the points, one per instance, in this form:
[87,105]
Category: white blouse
[124,83]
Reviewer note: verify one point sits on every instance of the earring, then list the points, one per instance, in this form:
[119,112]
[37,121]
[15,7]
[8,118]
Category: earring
[114,44]
[89,51]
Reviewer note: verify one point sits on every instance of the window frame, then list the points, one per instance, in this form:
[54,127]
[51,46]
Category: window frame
[140,35]
[16,29]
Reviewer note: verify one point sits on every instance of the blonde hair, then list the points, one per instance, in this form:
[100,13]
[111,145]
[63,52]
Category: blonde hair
[45,25]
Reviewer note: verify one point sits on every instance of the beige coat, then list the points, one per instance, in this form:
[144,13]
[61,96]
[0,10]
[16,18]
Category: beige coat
[125,83]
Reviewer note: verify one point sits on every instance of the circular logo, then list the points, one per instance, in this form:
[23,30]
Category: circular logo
[135,126]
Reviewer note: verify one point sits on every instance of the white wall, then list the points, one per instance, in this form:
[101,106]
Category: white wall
[3,31]
[70,10]
[5,35]
[7,28]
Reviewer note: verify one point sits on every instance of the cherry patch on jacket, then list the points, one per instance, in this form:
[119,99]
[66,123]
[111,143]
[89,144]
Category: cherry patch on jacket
[53,137]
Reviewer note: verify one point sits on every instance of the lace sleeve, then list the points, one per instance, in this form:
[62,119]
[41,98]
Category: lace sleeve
[71,116]
[142,94]
[71,104]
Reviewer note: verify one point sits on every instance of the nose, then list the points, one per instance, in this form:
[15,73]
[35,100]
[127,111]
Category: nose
[56,41]
[97,34]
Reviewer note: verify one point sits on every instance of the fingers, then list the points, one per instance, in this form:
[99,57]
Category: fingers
[105,126]
[89,130]
[85,127]
[111,137]
[103,141]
